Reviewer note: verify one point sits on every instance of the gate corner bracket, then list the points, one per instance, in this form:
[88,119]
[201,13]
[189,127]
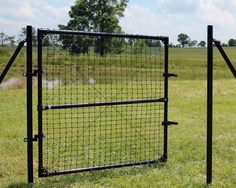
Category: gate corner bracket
[165,40]
[163,158]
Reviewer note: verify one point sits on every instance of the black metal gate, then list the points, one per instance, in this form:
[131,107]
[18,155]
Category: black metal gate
[102,100]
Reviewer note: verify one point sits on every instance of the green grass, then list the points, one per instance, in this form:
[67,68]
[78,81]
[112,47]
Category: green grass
[189,63]
[187,142]
[186,163]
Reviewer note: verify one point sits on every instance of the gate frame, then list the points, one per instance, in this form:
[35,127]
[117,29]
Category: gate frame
[29,97]
[41,34]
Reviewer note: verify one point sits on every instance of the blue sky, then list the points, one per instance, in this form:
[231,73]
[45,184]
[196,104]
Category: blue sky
[153,17]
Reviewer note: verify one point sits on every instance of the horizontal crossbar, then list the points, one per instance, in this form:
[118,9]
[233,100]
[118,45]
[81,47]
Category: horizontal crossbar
[101,34]
[45,174]
[65,106]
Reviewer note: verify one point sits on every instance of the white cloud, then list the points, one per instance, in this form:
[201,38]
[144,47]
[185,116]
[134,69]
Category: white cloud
[153,17]
[171,17]
[38,13]
[213,13]
[141,20]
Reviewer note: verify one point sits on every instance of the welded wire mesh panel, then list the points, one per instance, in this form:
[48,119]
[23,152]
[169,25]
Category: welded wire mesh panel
[102,102]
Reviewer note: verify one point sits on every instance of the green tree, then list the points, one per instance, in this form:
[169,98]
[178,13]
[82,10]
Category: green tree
[202,43]
[232,42]
[11,40]
[130,41]
[3,38]
[139,46]
[23,34]
[153,43]
[96,16]
[192,43]
[183,39]
[224,45]
[48,40]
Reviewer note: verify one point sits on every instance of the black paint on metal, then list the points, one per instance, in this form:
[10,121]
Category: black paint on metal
[210,40]
[40,128]
[29,106]
[209,102]
[169,123]
[65,106]
[227,60]
[46,174]
[11,61]
[44,32]
[42,172]
[166,72]
[170,75]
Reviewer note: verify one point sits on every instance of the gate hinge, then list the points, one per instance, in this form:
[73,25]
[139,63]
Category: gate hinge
[35,138]
[34,73]
[169,75]
[166,123]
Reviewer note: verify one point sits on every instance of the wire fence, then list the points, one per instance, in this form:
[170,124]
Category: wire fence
[102,101]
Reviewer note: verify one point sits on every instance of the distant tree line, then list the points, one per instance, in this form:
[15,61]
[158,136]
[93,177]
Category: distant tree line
[7,39]
[232,42]
[99,16]
[115,45]
[13,40]
[185,41]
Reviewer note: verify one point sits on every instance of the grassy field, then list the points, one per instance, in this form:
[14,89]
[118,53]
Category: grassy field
[190,63]
[187,142]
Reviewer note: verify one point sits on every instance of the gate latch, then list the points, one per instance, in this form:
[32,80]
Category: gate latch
[166,123]
[34,139]
[34,73]
[169,75]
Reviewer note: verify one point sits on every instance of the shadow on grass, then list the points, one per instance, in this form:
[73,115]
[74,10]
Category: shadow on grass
[20,185]
[93,177]
[100,176]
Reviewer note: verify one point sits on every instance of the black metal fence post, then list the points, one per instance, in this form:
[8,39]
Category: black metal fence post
[29,106]
[164,158]
[209,102]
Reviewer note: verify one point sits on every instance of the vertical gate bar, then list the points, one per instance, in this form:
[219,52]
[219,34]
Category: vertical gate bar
[29,105]
[209,102]
[164,158]
[40,129]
